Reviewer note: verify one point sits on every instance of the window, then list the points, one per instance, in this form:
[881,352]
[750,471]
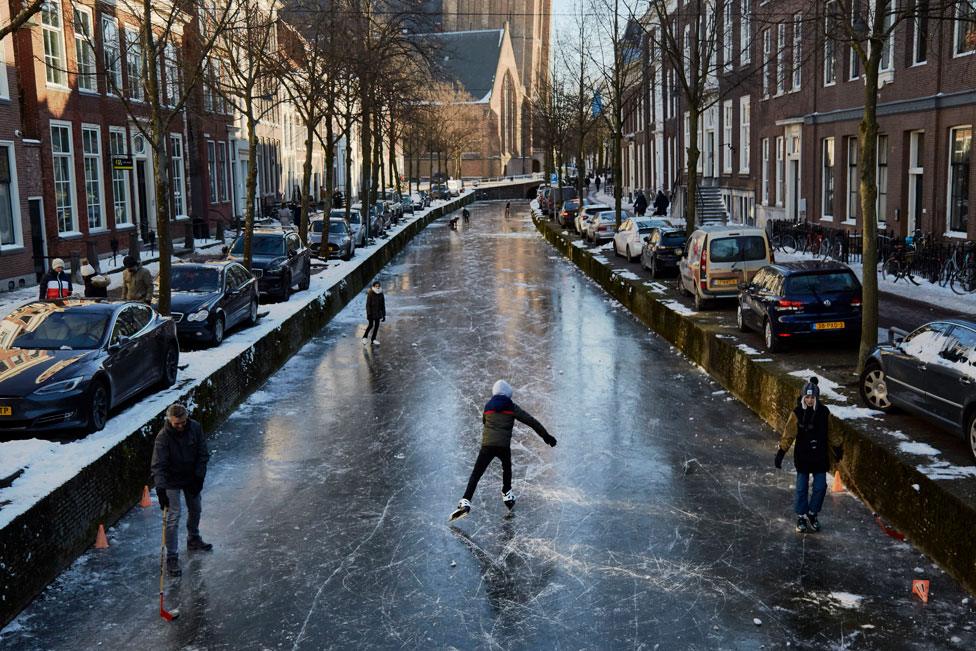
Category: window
[961,149]
[744,134]
[112,53]
[223,173]
[54,63]
[964,39]
[766,62]
[797,50]
[780,58]
[882,179]
[727,137]
[4,85]
[84,52]
[852,182]
[765,171]
[726,35]
[745,34]
[687,53]
[120,178]
[830,47]
[887,54]
[133,64]
[208,85]
[780,169]
[828,179]
[916,172]
[64,182]
[920,32]
[172,74]
[687,140]
[212,169]
[176,176]
[10,233]
[91,148]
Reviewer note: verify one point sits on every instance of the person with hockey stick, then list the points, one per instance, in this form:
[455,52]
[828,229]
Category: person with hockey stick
[496,441]
[808,427]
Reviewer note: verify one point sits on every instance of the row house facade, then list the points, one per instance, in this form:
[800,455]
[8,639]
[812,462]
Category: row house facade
[778,139]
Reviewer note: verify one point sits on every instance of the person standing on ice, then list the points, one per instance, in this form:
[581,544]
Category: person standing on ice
[375,312]
[808,427]
[179,466]
[496,441]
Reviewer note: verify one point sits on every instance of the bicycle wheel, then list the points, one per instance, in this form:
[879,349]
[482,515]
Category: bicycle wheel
[891,268]
[788,244]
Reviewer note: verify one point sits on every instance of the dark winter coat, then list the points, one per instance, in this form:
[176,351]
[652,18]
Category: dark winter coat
[375,306]
[55,285]
[640,203]
[660,204]
[179,459]
[499,419]
[809,429]
[95,288]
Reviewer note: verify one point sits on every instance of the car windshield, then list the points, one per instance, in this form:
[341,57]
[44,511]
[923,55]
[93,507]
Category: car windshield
[672,239]
[317,225]
[821,283]
[607,217]
[741,248]
[337,228]
[261,246]
[570,205]
[194,279]
[58,329]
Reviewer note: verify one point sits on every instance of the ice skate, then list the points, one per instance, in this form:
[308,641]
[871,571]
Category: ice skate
[173,566]
[814,523]
[508,499]
[801,525]
[464,507]
[197,544]
[365,341]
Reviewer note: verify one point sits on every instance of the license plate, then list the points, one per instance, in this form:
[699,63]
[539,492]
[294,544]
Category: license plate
[725,282]
[829,325]
[6,411]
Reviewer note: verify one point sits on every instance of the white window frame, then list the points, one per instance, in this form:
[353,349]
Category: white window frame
[780,59]
[767,51]
[177,177]
[745,34]
[853,182]
[744,137]
[172,74]
[765,171]
[780,170]
[111,54]
[14,189]
[84,36]
[920,28]
[55,63]
[726,35]
[881,177]
[727,119]
[223,169]
[827,180]
[687,140]
[92,162]
[916,168]
[957,37]
[133,65]
[887,63]
[121,192]
[212,170]
[949,177]
[4,83]
[69,156]
[797,51]
[830,52]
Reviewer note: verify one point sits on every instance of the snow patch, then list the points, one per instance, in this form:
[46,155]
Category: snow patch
[626,273]
[945,470]
[921,449]
[748,350]
[675,306]
[846,599]
[828,388]
[845,412]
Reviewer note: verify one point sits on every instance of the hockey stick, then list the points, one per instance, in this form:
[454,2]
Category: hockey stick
[165,614]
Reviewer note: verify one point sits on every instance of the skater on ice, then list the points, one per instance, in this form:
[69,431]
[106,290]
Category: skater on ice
[807,425]
[375,312]
[496,441]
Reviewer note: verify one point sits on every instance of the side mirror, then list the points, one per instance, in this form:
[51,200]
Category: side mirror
[118,343]
[292,253]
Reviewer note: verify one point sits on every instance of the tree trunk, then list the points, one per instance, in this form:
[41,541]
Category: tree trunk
[252,180]
[394,172]
[691,196]
[306,180]
[868,143]
[330,180]
[348,153]
[163,239]
[366,147]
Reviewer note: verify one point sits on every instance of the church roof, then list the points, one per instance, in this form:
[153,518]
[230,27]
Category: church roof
[467,58]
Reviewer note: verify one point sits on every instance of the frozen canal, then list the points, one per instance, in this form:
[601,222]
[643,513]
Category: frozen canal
[658,520]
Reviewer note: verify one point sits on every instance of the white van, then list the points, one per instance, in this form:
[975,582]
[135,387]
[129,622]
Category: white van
[454,185]
[720,257]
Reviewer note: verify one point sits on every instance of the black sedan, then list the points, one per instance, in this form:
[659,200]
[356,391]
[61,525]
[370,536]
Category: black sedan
[931,372]
[662,249]
[65,364]
[279,260]
[208,299]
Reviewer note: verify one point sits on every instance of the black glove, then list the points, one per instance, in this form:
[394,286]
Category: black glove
[839,453]
[163,498]
[195,487]
[550,440]
[779,458]
[383,319]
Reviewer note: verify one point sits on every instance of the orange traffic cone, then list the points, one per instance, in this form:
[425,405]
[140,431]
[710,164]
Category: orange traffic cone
[101,542]
[145,501]
[838,486]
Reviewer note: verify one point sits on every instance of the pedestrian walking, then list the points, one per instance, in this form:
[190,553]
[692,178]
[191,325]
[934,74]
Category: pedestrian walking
[375,312]
[137,282]
[808,427]
[508,209]
[586,184]
[466,214]
[96,285]
[499,418]
[56,283]
[640,203]
[179,468]
[596,182]
[661,203]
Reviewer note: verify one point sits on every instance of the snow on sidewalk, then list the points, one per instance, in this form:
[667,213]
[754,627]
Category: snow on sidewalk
[48,465]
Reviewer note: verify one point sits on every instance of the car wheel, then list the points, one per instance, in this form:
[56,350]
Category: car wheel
[252,312]
[98,406]
[218,331]
[641,260]
[346,258]
[285,288]
[171,363]
[971,433]
[700,302]
[772,343]
[307,277]
[740,319]
[874,389]
[616,253]
[653,267]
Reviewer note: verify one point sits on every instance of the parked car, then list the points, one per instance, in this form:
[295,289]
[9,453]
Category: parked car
[629,239]
[663,248]
[421,198]
[279,260]
[377,224]
[567,213]
[604,225]
[930,372]
[440,191]
[801,300]
[210,298]
[408,204]
[340,243]
[719,258]
[586,214]
[68,363]
[394,203]
[355,225]
[552,193]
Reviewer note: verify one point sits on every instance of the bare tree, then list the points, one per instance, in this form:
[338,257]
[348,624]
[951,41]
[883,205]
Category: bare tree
[26,11]
[553,122]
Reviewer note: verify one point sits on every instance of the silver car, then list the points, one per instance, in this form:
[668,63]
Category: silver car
[602,227]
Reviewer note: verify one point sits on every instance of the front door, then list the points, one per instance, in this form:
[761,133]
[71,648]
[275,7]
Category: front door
[35,206]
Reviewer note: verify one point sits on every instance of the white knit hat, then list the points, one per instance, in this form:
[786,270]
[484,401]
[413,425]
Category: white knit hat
[502,388]
[57,262]
[87,270]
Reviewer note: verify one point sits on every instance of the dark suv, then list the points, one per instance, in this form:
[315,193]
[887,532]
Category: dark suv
[801,300]
[662,249]
[279,260]
[931,372]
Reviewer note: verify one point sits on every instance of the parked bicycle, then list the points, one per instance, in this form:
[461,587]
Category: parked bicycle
[898,265]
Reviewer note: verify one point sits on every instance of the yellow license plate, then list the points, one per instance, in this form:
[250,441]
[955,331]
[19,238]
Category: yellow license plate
[6,411]
[725,282]
[829,325]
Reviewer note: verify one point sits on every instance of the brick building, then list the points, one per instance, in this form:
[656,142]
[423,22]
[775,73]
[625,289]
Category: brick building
[779,138]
